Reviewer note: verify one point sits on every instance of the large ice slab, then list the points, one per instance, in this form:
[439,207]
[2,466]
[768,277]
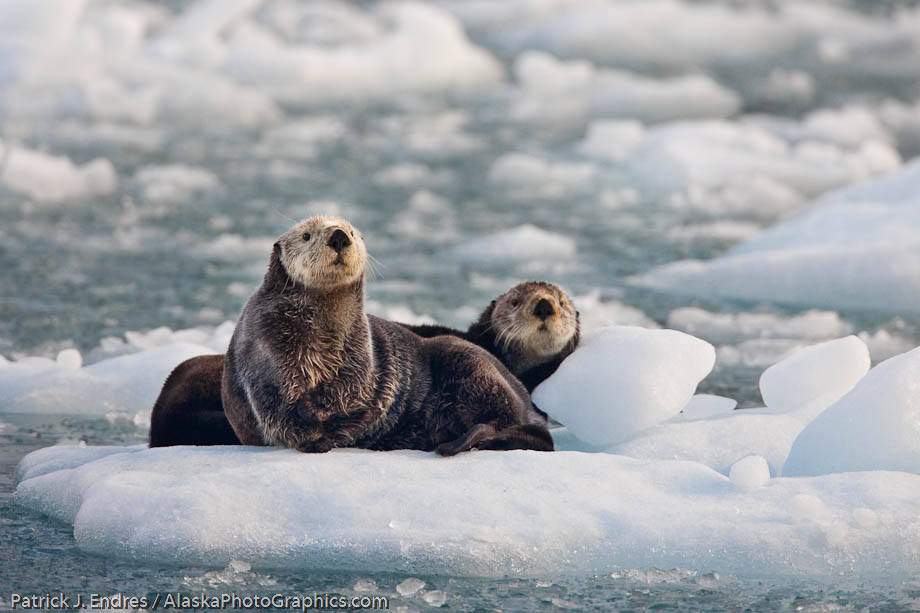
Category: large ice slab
[623,379]
[853,248]
[488,514]
[874,427]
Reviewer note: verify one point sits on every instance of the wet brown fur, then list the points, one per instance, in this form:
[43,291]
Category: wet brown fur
[307,369]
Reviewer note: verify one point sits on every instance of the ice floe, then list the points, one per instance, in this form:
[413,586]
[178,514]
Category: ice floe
[853,248]
[482,513]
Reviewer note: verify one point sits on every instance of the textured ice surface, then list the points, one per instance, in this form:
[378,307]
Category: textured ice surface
[853,248]
[874,427]
[481,513]
[815,377]
[623,379]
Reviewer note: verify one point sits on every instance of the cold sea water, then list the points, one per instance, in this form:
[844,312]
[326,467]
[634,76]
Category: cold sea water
[474,145]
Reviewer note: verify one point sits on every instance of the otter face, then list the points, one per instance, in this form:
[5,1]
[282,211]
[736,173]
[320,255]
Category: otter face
[323,253]
[536,318]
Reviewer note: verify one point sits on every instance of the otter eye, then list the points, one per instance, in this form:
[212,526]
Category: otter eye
[306,236]
[515,302]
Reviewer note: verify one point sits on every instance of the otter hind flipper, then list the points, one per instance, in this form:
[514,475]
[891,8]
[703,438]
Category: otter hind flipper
[484,436]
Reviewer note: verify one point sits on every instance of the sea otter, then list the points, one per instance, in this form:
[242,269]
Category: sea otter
[308,369]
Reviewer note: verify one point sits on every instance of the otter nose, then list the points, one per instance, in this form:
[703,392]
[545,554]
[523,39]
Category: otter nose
[338,241]
[543,309]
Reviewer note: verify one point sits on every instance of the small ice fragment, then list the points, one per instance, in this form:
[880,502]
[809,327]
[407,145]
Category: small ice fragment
[750,472]
[410,586]
[435,598]
[239,566]
[365,585]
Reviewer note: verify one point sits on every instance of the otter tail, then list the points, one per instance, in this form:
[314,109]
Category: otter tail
[484,436]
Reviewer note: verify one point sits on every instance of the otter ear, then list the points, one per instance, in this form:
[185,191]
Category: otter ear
[276,248]
[483,325]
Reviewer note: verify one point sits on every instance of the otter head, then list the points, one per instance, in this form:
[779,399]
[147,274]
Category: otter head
[535,321]
[322,253]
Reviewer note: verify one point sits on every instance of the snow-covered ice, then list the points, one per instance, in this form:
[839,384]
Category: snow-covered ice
[852,248]
[623,379]
[482,513]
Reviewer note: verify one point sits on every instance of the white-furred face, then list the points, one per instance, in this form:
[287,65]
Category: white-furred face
[323,252]
[535,317]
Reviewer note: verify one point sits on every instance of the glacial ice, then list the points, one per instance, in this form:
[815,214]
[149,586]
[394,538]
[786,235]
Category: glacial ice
[852,248]
[623,379]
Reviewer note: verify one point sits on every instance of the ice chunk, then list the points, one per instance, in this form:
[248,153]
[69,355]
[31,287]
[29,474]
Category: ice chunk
[522,243]
[174,182]
[669,159]
[815,377]
[730,328]
[624,379]
[525,175]
[435,598]
[410,586]
[853,248]
[410,47]
[876,426]
[127,383]
[750,472]
[554,90]
[612,139]
[51,178]
[366,512]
